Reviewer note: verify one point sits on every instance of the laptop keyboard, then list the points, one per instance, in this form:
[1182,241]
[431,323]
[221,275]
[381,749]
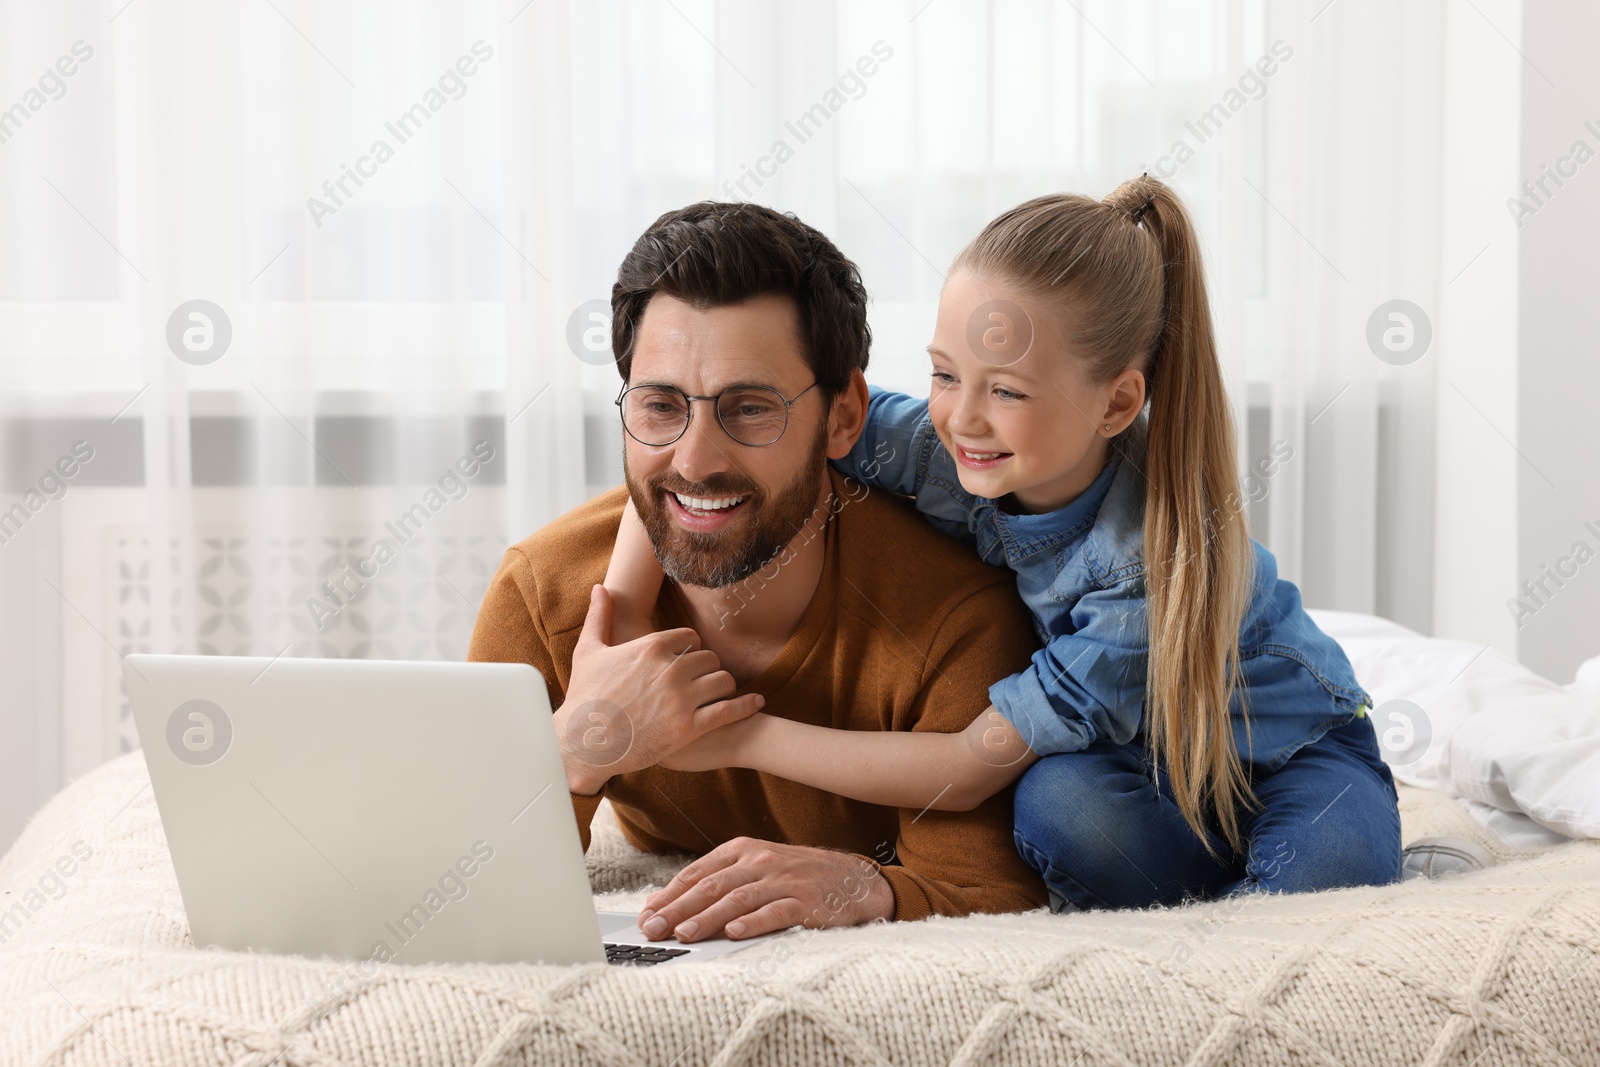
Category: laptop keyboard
[641,955]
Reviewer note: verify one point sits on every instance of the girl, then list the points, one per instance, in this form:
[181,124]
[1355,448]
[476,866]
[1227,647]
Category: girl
[1186,731]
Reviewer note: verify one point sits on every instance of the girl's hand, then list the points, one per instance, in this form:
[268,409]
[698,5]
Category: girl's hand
[726,746]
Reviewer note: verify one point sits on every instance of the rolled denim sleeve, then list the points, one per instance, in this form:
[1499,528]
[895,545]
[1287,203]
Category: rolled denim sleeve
[886,455]
[1087,685]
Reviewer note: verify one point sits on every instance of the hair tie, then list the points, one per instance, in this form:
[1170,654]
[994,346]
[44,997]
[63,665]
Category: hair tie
[1136,214]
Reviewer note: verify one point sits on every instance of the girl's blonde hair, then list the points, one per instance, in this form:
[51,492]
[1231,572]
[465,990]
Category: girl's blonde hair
[1128,269]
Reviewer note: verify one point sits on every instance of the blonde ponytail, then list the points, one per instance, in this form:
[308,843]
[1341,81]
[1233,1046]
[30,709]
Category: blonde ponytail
[1197,552]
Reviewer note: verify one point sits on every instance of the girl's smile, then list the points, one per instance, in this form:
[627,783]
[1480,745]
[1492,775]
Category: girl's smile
[979,460]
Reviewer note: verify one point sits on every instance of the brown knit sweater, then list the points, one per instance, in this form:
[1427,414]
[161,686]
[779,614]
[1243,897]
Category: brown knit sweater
[907,630]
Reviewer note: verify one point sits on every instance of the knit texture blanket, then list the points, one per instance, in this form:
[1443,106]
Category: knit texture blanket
[1495,967]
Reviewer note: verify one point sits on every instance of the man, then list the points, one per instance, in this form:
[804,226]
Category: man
[741,337]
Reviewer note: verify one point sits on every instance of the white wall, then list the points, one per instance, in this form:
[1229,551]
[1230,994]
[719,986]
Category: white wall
[1518,433]
[1476,491]
[1558,387]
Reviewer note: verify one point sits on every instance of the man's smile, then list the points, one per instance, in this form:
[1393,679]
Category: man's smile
[703,514]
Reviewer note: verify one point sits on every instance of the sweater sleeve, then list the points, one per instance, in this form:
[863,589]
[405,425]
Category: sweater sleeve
[959,862]
[510,630]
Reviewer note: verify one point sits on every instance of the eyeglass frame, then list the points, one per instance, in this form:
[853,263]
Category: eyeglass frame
[689,418]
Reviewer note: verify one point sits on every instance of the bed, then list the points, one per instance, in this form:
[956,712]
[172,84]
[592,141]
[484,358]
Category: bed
[1493,967]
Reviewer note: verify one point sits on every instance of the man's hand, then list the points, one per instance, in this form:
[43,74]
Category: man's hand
[629,705]
[748,887]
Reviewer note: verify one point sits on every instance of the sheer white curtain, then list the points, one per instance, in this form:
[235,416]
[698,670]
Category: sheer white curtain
[1348,199]
[328,455]
[400,316]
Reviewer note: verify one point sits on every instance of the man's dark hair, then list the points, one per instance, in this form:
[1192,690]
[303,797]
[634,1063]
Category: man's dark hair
[714,254]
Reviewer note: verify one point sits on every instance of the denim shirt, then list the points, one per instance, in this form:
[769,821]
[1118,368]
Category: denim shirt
[1081,571]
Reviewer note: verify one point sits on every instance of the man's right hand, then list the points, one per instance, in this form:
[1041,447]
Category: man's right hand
[628,706]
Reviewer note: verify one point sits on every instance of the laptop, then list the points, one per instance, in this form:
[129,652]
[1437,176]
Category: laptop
[413,812]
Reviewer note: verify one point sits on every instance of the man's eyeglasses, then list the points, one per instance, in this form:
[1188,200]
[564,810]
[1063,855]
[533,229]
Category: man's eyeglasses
[657,415]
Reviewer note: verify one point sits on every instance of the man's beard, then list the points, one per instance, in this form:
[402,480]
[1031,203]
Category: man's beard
[715,560]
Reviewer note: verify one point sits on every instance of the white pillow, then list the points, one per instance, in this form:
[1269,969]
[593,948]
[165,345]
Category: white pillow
[1446,682]
[1588,679]
[1467,720]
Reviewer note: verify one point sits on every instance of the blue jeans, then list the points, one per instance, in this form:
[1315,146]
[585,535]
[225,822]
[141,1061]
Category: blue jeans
[1091,822]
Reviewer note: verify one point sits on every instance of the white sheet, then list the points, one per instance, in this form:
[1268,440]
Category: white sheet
[1521,752]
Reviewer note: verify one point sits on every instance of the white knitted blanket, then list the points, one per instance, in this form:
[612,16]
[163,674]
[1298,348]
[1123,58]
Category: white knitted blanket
[1497,967]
